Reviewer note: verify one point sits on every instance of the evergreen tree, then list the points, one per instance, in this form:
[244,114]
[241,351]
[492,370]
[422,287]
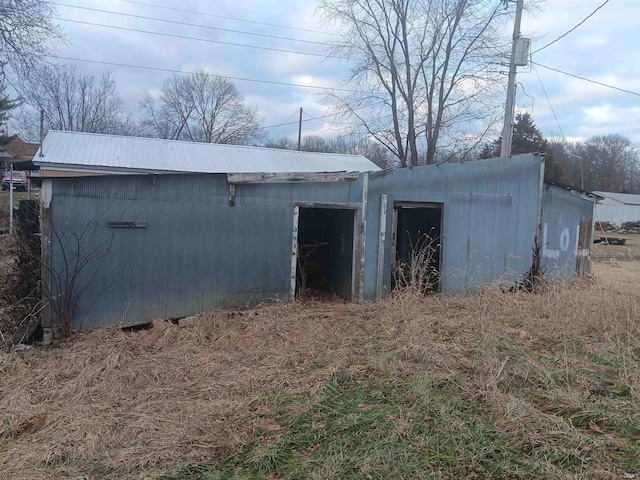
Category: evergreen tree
[527,138]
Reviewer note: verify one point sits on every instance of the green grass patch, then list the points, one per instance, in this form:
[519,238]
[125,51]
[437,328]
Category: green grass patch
[373,426]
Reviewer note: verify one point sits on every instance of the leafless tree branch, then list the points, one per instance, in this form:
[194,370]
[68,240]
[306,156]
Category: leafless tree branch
[201,108]
[427,59]
[26,33]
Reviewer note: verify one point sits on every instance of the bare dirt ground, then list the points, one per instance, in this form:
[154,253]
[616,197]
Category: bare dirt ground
[494,385]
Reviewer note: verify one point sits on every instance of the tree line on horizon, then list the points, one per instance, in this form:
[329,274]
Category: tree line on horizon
[607,163]
[204,108]
[422,93]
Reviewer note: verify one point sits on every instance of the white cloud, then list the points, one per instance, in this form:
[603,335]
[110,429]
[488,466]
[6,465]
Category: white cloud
[604,48]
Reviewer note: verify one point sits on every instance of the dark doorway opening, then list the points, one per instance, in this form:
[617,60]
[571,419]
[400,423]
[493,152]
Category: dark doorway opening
[325,252]
[417,246]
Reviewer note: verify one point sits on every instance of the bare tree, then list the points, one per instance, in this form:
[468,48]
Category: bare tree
[283,143]
[75,102]
[26,31]
[349,144]
[316,143]
[608,163]
[201,108]
[420,67]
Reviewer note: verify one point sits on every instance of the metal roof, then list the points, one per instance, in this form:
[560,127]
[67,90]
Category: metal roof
[626,198]
[98,153]
[580,191]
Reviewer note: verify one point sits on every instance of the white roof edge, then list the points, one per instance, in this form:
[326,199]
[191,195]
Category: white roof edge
[51,167]
[186,142]
[102,153]
[623,198]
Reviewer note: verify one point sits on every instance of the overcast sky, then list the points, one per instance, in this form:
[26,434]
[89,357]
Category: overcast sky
[605,49]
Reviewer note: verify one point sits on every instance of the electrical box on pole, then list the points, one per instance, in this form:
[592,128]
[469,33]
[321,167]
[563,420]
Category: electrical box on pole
[521,57]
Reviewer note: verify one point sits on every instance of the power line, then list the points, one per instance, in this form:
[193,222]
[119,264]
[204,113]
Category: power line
[310,119]
[568,32]
[531,97]
[198,39]
[587,79]
[228,18]
[280,124]
[549,102]
[169,70]
[321,117]
[175,22]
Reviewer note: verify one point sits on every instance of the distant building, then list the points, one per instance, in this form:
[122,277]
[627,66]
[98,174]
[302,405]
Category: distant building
[617,208]
[20,154]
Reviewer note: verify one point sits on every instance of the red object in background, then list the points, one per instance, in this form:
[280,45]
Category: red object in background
[20,181]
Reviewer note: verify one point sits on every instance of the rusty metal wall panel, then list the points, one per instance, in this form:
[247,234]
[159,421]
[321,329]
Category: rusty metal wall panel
[567,232]
[490,210]
[196,252]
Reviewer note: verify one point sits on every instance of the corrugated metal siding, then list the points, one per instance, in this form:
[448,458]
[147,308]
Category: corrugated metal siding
[489,225]
[617,214]
[567,232]
[95,151]
[197,252]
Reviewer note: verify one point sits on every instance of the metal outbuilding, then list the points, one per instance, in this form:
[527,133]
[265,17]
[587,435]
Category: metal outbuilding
[173,244]
[617,208]
[567,230]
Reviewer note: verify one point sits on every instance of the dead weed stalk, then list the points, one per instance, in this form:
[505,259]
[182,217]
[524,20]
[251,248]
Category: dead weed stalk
[419,273]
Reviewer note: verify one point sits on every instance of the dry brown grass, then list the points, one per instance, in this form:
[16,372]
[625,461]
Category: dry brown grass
[10,309]
[114,404]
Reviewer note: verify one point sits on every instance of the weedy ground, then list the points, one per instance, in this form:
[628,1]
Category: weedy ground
[491,385]
[4,204]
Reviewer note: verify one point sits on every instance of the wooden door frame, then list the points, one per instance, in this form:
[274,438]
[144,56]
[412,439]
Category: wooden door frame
[357,252]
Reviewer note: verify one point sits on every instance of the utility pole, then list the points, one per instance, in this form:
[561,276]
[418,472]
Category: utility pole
[507,129]
[299,128]
[11,199]
[41,132]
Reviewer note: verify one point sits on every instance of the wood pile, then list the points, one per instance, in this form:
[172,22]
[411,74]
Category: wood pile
[606,226]
[630,227]
[626,227]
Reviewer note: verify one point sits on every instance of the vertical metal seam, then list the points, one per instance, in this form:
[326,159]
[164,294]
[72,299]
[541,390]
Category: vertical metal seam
[381,243]
[46,254]
[294,254]
[363,253]
[593,228]
[538,234]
